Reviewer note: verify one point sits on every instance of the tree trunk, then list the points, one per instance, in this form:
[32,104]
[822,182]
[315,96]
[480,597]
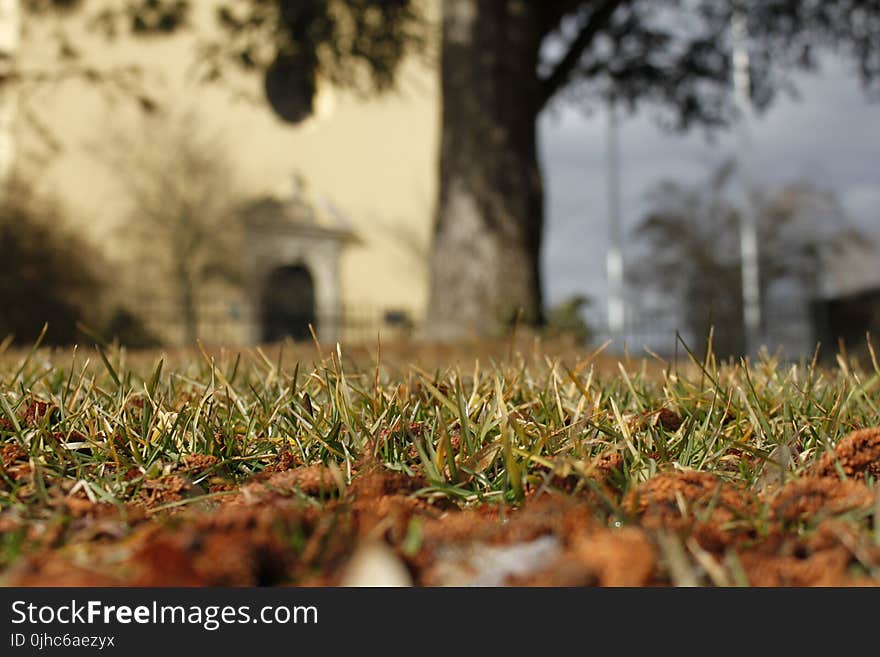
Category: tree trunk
[489,216]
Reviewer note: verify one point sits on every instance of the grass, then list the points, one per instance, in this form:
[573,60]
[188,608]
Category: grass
[107,423]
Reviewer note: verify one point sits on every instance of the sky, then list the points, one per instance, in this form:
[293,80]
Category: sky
[829,136]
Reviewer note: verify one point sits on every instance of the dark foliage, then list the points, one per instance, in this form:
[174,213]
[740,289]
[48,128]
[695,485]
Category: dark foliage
[566,319]
[676,55]
[47,273]
[295,44]
[128,329]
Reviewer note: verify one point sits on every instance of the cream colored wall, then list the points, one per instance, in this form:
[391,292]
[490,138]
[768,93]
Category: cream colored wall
[375,159]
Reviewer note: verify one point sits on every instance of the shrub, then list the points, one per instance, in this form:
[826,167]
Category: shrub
[129,330]
[47,273]
[566,319]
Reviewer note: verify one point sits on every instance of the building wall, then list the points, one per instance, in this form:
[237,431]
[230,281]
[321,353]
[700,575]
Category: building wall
[375,159]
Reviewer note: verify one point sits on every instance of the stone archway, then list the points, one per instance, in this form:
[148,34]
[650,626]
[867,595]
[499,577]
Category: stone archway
[292,251]
[287,304]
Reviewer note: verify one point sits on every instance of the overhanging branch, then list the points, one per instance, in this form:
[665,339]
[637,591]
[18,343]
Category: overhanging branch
[569,62]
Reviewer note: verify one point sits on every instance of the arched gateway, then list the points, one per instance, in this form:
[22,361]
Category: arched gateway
[292,256]
[287,307]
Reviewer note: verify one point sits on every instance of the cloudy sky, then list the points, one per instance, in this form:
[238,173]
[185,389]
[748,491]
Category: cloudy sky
[829,136]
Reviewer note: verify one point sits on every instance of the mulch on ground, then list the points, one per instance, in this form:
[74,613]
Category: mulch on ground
[301,525]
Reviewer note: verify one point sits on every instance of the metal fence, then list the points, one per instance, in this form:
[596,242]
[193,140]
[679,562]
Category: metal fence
[160,322]
[788,328]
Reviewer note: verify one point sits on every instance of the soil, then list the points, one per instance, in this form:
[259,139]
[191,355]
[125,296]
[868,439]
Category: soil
[303,525]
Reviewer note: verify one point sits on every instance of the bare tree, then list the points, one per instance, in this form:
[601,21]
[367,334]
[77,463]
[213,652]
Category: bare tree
[182,223]
[692,265]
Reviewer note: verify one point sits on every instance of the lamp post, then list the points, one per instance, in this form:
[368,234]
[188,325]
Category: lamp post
[751,280]
[614,252]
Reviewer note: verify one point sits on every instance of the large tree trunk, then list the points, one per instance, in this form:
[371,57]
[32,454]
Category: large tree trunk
[489,216]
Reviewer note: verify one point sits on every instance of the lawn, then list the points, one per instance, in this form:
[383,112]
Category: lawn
[519,462]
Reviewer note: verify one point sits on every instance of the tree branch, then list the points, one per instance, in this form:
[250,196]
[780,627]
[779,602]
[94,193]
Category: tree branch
[566,66]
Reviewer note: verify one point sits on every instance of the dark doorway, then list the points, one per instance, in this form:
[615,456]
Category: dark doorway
[288,304]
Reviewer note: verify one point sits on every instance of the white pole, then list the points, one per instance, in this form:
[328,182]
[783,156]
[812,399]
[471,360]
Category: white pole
[751,280]
[614,253]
